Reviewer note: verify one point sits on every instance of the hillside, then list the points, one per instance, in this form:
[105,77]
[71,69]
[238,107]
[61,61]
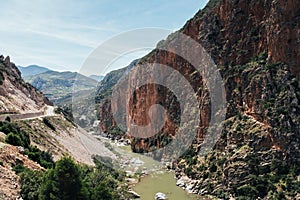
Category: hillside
[59,85]
[32,70]
[16,96]
[96,77]
[49,131]
[34,135]
[9,181]
[255,45]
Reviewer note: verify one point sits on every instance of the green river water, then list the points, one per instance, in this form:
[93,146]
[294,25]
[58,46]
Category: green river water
[158,179]
[161,182]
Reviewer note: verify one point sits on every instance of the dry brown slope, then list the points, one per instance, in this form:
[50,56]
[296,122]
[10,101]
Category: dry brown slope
[9,180]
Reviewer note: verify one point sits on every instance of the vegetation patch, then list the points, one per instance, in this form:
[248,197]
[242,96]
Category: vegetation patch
[48,123]
[68,180]
[17,137]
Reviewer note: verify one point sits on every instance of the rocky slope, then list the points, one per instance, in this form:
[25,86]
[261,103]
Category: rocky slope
[61,137]
[16,96]
[38,136]
[51,132]
[255,45]
[10,156]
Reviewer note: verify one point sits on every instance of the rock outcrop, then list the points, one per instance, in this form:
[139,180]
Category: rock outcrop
[16,96]
[255,45]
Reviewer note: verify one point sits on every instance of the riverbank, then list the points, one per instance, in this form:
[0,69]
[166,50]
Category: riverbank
[146,176]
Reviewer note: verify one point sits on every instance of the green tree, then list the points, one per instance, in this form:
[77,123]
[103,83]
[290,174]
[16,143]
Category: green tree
[30,184]
[63,182]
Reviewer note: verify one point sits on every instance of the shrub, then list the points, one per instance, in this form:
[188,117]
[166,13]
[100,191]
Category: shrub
[247,190]
[222,194]
[48,123]
[31,182]
[41,157]
[14,139]
[280,167]
[19,168]
[62,182]
[213,168]
[7,128]
[189,171]
[68,180]
[66,111]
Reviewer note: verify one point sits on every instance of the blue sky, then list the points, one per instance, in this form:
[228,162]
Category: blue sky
[61,34]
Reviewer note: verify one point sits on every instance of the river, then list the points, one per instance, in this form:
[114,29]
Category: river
[157,180]
[161,182]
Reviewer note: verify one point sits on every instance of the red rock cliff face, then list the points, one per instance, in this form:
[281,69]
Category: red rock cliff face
[256,47]
[233,32]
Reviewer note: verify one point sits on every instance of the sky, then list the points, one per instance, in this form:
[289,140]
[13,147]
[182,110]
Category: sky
[62,34]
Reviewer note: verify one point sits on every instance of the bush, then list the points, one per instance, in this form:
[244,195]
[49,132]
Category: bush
[19,168]
[213,168]
[14,139]
[280,167]
[222,194]
[67,112]
[189,171]
[7,128]
[43,158]
[68,180]
[62,182]
[247,190]
[48,123]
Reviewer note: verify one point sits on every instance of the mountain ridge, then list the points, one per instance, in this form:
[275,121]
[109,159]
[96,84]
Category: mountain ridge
[31,70]
[59,85]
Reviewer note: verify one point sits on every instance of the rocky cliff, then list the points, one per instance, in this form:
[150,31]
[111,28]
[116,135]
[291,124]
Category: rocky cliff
[255,45]
[235,31]
[16,96]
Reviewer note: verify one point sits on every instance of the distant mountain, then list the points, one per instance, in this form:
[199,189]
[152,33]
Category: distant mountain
[83,102]
[59,85]
[96,77]
[32,70]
